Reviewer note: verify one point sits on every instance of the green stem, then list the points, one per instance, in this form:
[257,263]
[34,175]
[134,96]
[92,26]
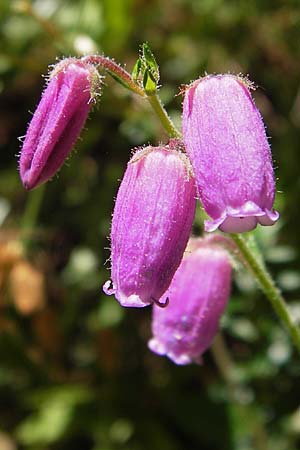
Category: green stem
[267,285]
[163,116]
[120,74]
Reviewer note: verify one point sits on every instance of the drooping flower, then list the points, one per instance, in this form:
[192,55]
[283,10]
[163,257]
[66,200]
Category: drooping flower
[227,144]
[198,296]
[151,223]
[57,121]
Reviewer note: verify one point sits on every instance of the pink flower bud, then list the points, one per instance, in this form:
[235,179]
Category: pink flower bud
[198,296]
[226,141]
[152,220]
[57,121]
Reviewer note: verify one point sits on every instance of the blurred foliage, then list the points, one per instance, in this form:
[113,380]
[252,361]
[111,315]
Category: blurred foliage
[75,371]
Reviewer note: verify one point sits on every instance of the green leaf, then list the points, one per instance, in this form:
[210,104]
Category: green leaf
[150,61]
[137,69]
[149,83]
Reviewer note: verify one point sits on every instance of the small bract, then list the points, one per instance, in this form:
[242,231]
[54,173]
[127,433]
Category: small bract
[57,121]
[226,142]
[198,296]
[151,223]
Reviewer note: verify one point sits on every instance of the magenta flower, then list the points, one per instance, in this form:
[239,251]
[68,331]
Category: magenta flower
[57,121]
[226,141]
[198,296]
[152,220]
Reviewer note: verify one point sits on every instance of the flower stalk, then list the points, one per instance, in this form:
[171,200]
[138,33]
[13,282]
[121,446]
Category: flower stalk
[115,71]
[163,116]
[124,77]
[267,285]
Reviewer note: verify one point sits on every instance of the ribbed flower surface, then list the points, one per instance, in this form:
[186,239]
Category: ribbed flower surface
[198,296]
[151,223]
[226,142]
[57,121]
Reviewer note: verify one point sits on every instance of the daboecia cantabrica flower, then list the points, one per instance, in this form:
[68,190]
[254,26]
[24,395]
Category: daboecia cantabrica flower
[226,142]
[151,224]
[57,121]
[198,296]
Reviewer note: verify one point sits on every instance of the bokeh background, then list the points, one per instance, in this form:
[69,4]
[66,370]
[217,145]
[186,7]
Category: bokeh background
[75,371]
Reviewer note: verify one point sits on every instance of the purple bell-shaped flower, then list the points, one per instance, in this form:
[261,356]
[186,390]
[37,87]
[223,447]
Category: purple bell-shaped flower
[226,142]
[198,296]
[57,121]
[151,224]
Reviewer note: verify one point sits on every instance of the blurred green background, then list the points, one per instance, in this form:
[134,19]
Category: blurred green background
[75,371]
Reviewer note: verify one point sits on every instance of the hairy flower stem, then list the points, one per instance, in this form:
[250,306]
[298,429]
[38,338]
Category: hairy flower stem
[116,71]
[268,286]
[163,116]
[124,77]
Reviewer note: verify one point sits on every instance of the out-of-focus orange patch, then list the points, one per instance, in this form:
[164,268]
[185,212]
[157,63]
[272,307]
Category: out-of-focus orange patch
[27,287]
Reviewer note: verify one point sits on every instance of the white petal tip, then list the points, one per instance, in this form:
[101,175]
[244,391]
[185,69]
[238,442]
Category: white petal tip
[242,220]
